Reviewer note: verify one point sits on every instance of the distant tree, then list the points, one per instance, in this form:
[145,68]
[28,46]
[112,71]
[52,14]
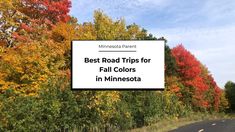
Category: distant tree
[230,93]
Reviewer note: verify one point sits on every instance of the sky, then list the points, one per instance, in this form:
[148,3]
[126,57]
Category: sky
[205,27]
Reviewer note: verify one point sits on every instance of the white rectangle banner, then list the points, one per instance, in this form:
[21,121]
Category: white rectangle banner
[118,64]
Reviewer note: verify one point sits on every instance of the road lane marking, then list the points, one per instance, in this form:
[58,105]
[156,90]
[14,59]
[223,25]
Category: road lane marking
[201,130]
[213,124]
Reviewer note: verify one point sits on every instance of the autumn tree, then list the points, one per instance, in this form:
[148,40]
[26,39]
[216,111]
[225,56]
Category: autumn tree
[18,15]
[10,19]
[52,10]
[134,32]
[107,29]
[86,31]
[172,81]
[213,93]
[224,104]
[194,77]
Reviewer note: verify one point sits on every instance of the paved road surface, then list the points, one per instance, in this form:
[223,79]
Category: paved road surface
[227,125]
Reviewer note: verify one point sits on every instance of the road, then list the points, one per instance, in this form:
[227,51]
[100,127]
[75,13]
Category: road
[226,125]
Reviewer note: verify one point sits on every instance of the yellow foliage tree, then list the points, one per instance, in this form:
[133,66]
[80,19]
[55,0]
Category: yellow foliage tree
[26,66]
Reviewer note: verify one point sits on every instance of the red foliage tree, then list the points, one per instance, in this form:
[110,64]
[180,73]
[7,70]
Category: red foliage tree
[196,79]
[53,10]
[19,17]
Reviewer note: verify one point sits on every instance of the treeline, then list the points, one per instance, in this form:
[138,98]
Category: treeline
[35,75]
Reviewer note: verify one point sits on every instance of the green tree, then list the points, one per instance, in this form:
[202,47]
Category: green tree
[54,109]
[170,63]
[230,94]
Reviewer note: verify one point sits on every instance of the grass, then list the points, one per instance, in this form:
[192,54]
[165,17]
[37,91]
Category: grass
[173,123]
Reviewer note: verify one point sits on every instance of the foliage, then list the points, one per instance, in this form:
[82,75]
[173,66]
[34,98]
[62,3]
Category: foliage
[107,29]
[199,85]
[224,104]
[52,10]
[230,94]
[170,63]
[18,15]
[148,107]
[26,66]
[35,59]
[52,110]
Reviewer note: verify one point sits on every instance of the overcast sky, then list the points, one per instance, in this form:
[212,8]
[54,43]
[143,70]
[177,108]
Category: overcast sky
[204,27]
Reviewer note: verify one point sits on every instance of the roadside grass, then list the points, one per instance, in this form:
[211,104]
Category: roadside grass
[166,125]
[231,115]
